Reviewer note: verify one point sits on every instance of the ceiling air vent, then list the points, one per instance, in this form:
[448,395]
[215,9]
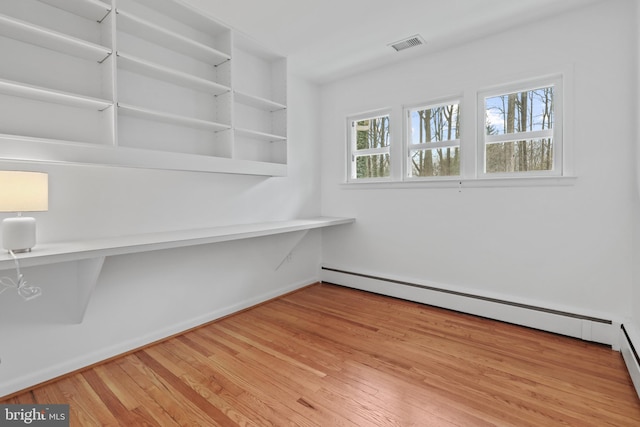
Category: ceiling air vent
[412,41]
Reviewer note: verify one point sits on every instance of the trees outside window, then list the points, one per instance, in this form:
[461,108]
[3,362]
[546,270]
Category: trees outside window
[433,136]
[519,135]
[369,145]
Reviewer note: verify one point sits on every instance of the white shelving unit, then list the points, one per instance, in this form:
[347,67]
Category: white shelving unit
[262,136]
[146,79]
[167,74]
[24,90]
[54,76]
[94,10]
[33,34]
[144,113]
[258,102]
[259,105]
[138,27]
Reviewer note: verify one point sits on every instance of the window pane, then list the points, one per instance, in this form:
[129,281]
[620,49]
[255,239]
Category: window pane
[374,166]
[519,112]
[434,124]
[372,133]
[440,162]
[520,156]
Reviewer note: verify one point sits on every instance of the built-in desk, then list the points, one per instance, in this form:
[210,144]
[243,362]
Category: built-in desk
[89,255]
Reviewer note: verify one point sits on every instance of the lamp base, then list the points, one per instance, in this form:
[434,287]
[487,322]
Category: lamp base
[20,251]
[19,234]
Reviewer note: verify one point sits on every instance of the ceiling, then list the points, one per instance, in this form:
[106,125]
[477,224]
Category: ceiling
[330,39]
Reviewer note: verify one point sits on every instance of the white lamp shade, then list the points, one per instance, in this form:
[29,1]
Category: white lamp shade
[22,191]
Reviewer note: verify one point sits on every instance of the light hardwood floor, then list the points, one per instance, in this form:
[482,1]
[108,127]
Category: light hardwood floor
[331,356]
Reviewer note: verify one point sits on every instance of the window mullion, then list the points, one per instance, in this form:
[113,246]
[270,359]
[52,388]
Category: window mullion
[519,136]
[371,151]
[435,145]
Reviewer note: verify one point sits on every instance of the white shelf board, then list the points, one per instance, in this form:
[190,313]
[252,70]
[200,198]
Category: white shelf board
[141,28]
[94,10]
[249,133]
[44,37]
[38,93]
[180,11]
[50,253]
[258,102]
[156,71]
[54,151]
[159,116]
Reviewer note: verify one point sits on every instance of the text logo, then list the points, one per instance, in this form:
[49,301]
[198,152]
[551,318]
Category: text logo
[34,415]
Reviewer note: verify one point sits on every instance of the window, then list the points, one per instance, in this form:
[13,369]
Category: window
[369,143]
[517,133]
[433,140]
[521,131]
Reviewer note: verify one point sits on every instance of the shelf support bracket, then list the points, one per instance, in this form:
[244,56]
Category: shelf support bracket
[88,271]
[293,242]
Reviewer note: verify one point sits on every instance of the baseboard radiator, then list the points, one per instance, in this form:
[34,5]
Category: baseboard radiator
[630,355]
[586,327]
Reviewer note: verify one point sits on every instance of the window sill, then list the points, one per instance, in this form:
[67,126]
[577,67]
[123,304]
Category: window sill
[540,181]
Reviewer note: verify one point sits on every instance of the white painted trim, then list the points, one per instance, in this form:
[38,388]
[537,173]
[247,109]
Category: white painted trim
[47,373]
[557,132]
[462,183]
[570,321]
[630,339]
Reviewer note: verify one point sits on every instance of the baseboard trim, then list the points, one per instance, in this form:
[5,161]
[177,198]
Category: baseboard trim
[54,372]
[630,356]
[573,323]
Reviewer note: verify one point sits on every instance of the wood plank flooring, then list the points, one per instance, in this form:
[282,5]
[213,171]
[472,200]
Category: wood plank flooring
[331,356]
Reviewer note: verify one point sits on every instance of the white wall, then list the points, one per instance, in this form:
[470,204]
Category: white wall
[567,247]
[144,297]
[635,326]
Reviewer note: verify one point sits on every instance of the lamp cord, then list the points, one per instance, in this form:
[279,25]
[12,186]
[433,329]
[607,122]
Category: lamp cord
[24,290]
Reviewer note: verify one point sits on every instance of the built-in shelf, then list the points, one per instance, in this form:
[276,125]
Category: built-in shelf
[160,72]
[179,11]
[258,102]
[50,253]
[44,37]
[203,97]
[37,93]
[94,10]
[145,113]
[264,136]
[50,150]
[141,28]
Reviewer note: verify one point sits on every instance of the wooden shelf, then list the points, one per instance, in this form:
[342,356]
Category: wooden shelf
[146,30]
[259,135]
[156,71]
[51,253]
[258,102]
[145,113]
[94,10]
[39,36]
[52,96]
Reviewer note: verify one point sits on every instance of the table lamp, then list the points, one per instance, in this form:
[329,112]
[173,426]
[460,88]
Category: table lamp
[22,191]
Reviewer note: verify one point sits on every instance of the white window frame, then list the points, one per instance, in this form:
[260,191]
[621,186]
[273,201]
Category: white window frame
[409,147]
[354,153]
[556,133]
